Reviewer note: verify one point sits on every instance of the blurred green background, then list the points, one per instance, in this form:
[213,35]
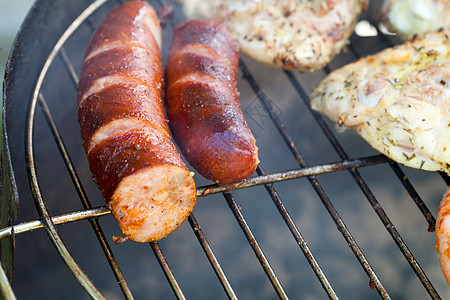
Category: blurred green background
[12,14]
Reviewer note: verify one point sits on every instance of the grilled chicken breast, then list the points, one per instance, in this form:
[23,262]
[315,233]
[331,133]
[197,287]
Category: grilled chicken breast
[398,100]
[410,17]
[291,34]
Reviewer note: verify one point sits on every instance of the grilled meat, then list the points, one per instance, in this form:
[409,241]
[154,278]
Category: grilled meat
[299,35]
[398,100]
[134,162]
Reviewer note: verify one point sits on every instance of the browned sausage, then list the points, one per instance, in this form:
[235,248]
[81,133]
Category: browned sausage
[143,179]
[202,102]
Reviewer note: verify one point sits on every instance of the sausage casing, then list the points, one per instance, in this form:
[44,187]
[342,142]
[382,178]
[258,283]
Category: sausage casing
[143,179]
[202,102]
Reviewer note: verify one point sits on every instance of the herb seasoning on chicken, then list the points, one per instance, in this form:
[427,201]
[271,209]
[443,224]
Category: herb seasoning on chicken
[297,35]
[398,100]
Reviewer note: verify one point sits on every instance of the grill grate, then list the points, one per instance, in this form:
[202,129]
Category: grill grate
[44,97]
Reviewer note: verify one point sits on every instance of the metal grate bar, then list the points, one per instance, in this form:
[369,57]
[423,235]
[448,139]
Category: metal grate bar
[167,271]
[255,246]
[370,197]
[298,237]
[31,168]
[395,235]
[419,202]
[445,177]
[90,24]
[201,192]
[84,199]
[5,286]
[211,257]
[415,196]
[69,66]
[43,212]
[314,182]
[293,174]
[59,219]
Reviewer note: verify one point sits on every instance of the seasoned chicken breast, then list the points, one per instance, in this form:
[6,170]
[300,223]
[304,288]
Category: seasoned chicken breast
[291,34]
[410,17]
[398,100]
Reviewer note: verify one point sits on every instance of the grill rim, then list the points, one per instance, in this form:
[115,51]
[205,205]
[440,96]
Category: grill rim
[12,228]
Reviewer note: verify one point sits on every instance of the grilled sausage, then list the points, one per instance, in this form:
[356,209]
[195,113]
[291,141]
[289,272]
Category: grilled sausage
[442,234]
[143,179]
[202,102]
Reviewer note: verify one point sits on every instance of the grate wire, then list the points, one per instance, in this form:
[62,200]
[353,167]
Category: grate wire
[316,185]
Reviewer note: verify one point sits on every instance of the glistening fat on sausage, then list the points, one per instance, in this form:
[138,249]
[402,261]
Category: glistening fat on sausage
[143,179]
[202,102]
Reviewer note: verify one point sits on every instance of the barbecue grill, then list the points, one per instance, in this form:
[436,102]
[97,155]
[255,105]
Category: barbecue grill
[324,216]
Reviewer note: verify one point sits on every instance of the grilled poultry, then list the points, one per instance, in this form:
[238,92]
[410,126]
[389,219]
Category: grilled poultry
[398,100]
[407,17]
[299,35]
